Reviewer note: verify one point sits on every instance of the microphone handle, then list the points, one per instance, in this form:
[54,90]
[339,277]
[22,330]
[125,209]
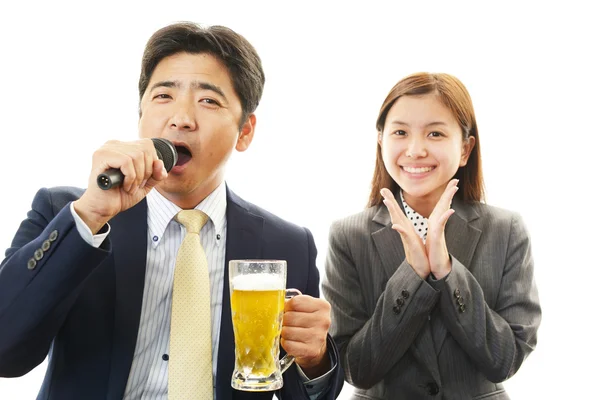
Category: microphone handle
[109,178]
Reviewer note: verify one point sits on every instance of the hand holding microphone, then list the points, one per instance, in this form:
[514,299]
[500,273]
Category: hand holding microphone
[165,150]
[130,170]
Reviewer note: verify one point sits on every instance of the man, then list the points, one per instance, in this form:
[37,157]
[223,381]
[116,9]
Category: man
[89,278]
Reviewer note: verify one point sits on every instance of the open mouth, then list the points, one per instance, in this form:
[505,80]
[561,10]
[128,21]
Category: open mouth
[183,155]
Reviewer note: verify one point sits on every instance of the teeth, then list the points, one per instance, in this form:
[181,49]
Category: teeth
[419,170]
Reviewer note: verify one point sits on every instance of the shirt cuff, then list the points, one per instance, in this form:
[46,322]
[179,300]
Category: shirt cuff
[86,232]
[315,386]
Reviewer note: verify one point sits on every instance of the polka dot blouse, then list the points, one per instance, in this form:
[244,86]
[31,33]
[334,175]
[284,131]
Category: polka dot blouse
[419,222]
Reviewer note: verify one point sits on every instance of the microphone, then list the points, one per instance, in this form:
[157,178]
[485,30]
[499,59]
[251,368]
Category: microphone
[165,150]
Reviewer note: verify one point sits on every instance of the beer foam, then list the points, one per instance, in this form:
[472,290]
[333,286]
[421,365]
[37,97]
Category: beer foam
[257,282]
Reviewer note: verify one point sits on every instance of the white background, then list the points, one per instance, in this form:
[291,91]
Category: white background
[69,83]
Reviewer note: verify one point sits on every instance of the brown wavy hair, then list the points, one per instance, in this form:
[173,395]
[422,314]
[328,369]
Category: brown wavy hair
[454,95]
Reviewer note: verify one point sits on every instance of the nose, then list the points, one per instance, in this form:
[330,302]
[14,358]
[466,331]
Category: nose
[184,116]
[416,148]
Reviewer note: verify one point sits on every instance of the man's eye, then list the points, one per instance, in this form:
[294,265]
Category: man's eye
[209,101]
[162,96]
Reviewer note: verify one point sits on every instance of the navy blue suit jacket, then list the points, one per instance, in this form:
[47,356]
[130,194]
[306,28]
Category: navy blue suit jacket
[81,305]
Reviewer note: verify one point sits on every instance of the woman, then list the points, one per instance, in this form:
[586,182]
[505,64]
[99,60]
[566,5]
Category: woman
[432,291]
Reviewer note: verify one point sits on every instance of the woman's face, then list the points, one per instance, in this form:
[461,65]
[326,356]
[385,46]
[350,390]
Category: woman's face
[422,146]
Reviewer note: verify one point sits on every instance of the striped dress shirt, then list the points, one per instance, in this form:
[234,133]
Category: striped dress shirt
[149,370]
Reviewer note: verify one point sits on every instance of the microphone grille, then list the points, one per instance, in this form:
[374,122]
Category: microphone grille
[166,152]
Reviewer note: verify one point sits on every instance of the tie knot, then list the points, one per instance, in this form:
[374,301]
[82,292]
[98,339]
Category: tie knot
[193,220]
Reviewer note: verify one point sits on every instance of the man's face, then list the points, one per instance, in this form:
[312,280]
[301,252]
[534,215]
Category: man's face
[190,100]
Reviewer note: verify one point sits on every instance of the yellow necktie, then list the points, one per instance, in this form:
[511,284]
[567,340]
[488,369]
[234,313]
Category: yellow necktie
[190,360]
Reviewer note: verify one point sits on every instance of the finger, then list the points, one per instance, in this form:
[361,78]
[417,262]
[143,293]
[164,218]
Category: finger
[400,229]
[306,320]
[159,173]
[393,207]
[297,334]
[303,350]
[444,218]
[307,304]
[292,347]
[148,169]
[138,158]
[411,241]
[445,200]
[123,162]
[110,156]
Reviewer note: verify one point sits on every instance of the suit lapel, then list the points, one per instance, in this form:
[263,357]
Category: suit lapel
[387,241]
[391,251]
[461,241]
[244,235]
[129,243]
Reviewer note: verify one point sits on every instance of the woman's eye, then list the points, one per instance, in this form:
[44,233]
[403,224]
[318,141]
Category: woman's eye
[435,134]
[399,133]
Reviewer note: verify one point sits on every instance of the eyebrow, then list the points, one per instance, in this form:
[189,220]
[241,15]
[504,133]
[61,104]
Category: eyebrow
[196,85]
[427,125]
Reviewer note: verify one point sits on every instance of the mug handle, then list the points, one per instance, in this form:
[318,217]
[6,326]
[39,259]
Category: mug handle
[288,360]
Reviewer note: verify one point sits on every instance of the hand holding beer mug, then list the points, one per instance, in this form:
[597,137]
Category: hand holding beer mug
[258,294]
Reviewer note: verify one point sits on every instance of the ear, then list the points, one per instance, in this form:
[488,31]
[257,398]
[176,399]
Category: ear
[379,137]
[246,134]
[466,150]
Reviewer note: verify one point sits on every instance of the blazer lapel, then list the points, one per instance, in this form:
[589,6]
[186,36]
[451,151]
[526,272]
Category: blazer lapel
[391,251]
[387,241]
[461,241]
[244,235]
[129,243]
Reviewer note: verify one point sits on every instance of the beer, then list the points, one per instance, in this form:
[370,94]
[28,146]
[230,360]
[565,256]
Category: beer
[257,309]
[258,295]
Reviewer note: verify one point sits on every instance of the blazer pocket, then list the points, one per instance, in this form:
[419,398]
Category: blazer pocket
[495,395]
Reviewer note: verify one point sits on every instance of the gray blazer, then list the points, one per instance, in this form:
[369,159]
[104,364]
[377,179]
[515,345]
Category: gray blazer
[402,337]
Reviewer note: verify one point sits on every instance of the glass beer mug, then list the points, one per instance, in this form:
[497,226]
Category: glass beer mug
[258,294]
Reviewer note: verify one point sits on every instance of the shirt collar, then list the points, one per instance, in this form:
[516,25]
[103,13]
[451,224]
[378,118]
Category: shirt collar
[161,211]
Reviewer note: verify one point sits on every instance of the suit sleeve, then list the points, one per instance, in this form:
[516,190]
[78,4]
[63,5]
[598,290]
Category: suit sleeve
[40,279]
[497,340]
[372,342]
[293,387]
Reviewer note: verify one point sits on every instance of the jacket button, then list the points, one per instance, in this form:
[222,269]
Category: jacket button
[38,254]
[405,294]
[396,309]
[31,263]
[53,235]
[460,301]
[461,308]
[46,245]
[400,302]
[456,293]
[432,388]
